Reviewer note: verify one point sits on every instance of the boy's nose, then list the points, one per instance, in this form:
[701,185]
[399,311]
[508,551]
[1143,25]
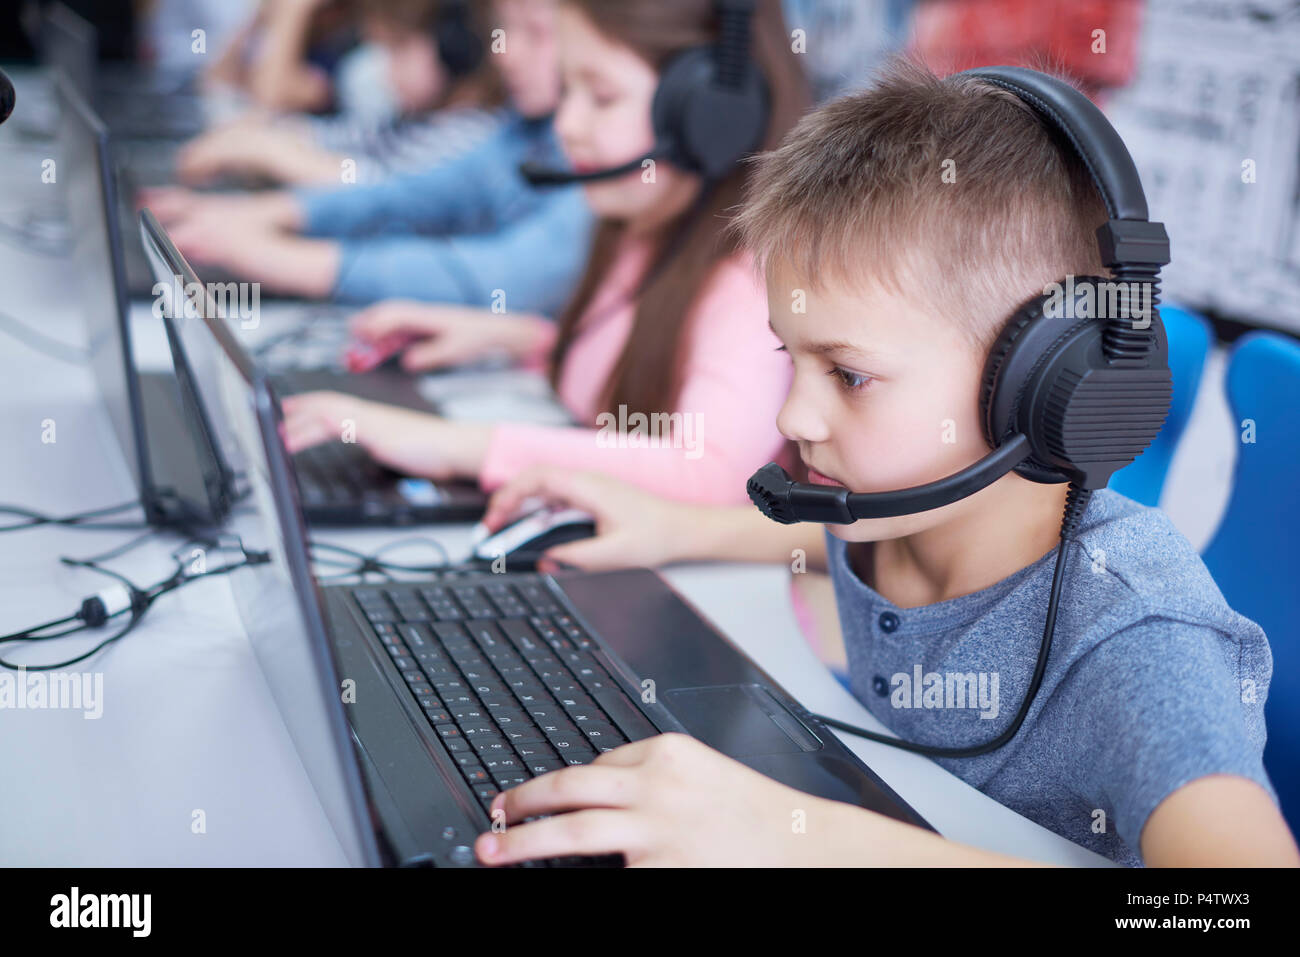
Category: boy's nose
[799,420]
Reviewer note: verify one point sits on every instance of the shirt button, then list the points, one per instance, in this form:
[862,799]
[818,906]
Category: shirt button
[879,685]
[888,621]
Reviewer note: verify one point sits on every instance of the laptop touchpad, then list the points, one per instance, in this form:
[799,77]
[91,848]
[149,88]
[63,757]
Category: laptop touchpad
[739,720]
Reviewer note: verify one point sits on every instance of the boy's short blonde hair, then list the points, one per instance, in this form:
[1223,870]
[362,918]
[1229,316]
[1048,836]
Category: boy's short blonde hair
[951,192]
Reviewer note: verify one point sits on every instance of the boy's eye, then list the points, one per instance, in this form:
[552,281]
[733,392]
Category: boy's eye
[852,381]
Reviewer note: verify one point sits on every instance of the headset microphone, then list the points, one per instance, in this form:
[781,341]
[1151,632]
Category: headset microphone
[784,500]
[539,174]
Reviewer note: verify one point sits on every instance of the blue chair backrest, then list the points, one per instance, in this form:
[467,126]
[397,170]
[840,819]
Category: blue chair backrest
[1255,553]
[1189,342]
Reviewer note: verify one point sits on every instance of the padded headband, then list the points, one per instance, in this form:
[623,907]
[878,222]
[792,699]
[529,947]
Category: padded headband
[1078,119]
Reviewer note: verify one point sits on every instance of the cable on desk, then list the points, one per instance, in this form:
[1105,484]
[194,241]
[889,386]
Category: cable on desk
[123,598]
[77,520]
[42,343]
[360,564]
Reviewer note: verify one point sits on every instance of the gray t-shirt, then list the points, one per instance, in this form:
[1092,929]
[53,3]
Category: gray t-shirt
[1152,682]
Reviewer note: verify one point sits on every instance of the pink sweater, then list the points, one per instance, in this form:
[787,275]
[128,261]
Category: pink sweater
[733,385]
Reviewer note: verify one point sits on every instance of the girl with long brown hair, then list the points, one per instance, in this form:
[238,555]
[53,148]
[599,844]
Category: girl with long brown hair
[663,354]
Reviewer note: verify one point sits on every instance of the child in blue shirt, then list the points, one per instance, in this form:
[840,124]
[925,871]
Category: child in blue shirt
[887,284]
[469,231]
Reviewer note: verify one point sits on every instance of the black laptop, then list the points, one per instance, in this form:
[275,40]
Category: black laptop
[177,487]
[339,483]
[136,101]
[413,704]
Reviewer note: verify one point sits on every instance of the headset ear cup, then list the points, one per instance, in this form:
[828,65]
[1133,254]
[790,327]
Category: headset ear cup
[994,432]
[459,47]
[707,127]
[1004,385]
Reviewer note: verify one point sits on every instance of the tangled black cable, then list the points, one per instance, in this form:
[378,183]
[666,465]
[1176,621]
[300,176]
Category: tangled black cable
[360,564]
[97,610]
[80,519]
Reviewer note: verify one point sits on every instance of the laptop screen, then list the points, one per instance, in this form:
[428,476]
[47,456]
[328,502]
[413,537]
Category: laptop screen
[71,44]
[279,603]
[84,174]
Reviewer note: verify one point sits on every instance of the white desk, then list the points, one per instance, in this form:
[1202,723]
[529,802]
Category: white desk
[188,722]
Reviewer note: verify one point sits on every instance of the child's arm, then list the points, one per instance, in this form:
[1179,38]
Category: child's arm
[637,528]
[1218,821]
[280,78]
[672,801]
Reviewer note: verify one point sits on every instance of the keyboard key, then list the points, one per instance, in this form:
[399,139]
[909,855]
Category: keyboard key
[601,733]
[541,766]
[508,779]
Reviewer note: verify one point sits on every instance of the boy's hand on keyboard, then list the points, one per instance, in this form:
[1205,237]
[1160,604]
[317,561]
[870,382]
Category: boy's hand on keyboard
[433,336]
[671,801]
[415,443]
[634,528]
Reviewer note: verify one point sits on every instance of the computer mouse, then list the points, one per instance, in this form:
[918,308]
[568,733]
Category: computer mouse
[363,356]
[523,541]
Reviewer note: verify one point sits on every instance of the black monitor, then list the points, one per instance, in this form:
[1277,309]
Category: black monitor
[178,485]
[69,44]
[279,602]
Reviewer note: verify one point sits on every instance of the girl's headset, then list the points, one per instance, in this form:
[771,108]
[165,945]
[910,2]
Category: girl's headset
[710,108]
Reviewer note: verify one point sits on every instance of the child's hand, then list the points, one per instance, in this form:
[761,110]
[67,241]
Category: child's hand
[168,203]
[634,528]
[415,443]
[445,335]
[231,212]
[668,801]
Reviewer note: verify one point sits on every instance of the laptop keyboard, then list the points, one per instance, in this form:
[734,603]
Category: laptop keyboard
[339,473]
[505,676]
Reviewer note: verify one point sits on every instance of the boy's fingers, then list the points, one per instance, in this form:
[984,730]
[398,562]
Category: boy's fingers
[568,789]
[582,833]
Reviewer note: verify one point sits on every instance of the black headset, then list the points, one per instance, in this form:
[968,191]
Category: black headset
[459,46]
[710,108]
[1075,387]
[6,97]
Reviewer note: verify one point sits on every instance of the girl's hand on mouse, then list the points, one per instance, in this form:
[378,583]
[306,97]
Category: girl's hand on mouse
[672,801]
[451,335]
[634,528]
[414,443]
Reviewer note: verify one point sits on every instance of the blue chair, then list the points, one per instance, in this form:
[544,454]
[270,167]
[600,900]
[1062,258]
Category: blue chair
[1255,553]
[1189,342]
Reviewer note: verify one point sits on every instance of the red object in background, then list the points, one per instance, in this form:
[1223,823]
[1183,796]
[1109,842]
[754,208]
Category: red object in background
[361,356]
[1053,35]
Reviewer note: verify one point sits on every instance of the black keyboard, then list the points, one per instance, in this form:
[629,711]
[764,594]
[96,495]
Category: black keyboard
[505,676]
[337,473]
